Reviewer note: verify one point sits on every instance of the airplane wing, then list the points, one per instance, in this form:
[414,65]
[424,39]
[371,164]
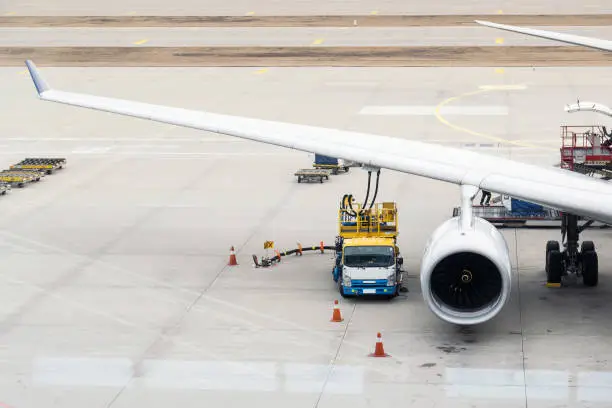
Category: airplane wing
[603,45]
[552,187]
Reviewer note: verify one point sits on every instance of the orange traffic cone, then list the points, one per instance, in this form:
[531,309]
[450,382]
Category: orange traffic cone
[336,317]
[232,259]
[379,351]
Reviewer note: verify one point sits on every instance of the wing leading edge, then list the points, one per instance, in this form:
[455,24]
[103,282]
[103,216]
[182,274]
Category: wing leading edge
[598,44]
[551,187]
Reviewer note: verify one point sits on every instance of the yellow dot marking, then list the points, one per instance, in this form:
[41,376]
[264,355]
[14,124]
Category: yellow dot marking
[499,41]
[500,11]
[474,133]
[318,41]
[140,42]
[261,71]
[131,13]
[10,13]
[25,71]
[250,13]
[374,12]
[499,70]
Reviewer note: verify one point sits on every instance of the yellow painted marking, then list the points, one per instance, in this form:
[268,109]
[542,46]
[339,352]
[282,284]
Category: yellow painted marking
[500,11]
[553,285]
[250,13]
[261,71]
[374,12]
[131,13]
[318,41]
[474,133]
[499,41]
[140,42]
[25,71]
[499,70]
[10,13]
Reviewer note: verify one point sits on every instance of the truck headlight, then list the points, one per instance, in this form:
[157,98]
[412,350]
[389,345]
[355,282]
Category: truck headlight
[346,280]
[391,280]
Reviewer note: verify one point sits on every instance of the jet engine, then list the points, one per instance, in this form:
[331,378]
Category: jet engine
[466,275]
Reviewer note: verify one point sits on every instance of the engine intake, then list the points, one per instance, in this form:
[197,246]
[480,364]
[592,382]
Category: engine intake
[466,277]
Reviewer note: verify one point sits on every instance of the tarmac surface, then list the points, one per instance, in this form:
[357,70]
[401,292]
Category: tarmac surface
[115,290]
[302,7]
[281,37]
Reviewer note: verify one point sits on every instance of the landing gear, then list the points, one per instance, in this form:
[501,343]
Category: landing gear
[571,261]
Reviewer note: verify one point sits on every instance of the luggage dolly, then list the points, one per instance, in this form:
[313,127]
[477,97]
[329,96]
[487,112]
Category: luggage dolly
[312,174]
[47,165]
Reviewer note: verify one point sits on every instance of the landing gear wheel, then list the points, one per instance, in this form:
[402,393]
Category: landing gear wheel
[554,260]
[590,268]
[550,246]
[587,246]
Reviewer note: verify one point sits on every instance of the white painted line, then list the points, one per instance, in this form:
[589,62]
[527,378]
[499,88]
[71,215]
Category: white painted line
[91,150]
[431,110]
[351,84]
[127,139]
[503,87]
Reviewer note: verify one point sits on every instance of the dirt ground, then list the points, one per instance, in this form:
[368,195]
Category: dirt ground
[303,21]
[306,56]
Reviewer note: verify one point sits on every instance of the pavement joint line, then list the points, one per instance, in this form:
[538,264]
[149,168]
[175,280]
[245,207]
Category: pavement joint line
[472,132]
[332,363]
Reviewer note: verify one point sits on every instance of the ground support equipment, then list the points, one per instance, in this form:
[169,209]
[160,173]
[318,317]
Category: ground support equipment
[47,165]
[18,178]
[312,175]
[501,217]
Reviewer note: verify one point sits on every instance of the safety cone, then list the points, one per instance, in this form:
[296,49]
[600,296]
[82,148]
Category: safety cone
[336,317]
[379,351]
[232,259]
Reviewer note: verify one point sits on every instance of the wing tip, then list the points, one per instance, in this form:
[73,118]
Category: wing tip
[40,84]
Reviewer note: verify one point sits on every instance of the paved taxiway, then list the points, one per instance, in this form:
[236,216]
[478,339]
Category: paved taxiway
[264,36]
[306,7]
[114,290]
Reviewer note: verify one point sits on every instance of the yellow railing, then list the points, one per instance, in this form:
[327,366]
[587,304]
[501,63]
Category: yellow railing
[380,220]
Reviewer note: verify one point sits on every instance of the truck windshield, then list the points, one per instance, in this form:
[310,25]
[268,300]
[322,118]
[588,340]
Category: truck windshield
[368,256]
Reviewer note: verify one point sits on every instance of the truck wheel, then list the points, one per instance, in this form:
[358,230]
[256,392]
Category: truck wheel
[340,288]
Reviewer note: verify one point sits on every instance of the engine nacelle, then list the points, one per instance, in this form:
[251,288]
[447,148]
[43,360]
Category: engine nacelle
[466,277]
